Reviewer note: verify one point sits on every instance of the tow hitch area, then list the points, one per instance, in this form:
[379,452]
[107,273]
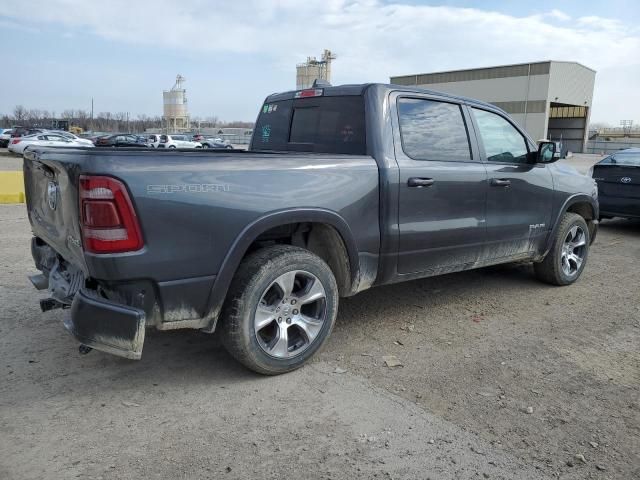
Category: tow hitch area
[47,304]
[39,281]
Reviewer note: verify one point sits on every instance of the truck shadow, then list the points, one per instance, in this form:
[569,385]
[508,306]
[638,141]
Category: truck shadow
[621,225]
[194,357]
[189,358]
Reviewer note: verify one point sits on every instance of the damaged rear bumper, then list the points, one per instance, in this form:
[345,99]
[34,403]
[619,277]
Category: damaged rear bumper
[106,326]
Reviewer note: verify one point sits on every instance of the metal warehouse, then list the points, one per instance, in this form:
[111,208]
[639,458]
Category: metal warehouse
[548,99]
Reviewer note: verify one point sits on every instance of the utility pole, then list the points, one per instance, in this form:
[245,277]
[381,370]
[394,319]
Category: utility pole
[92,114]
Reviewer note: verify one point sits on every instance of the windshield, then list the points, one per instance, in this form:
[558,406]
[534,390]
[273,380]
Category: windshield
[316,124]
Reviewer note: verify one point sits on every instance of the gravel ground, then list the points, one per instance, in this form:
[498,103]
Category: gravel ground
[479,350]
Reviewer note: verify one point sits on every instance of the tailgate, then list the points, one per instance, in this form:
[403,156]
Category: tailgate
[52,202]
[617,180]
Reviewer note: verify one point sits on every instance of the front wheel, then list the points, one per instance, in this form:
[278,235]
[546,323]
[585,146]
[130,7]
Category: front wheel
[281,308]
[568,255]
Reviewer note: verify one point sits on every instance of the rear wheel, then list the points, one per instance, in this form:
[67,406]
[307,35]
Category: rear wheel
[205,145]
[281,308]
[568,255]
[172,146]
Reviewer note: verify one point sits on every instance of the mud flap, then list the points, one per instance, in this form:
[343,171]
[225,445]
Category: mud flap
[106,326]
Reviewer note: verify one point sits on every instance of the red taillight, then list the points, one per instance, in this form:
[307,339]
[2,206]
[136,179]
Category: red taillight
[313,92]
[108,219]
[15,140]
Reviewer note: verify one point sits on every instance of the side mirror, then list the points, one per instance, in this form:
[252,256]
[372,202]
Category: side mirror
[547,152]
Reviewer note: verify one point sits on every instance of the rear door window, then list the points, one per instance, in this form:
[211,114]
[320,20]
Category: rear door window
[318,124]
[433,130]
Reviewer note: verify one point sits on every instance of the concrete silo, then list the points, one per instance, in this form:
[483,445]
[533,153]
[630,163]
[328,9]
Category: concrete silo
[313,69]
[176,115]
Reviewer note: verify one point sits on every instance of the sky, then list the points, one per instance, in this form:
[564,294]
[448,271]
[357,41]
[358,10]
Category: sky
[58,54]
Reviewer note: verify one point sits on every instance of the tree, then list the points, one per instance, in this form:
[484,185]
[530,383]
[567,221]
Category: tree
[19,113]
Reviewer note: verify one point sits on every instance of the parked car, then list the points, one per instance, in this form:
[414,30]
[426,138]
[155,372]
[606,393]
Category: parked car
[198,137]
[5,136]
[93,136]
[23,131]
[375,184]
[215,143]
[119,140]
[153,140]
[20,144]
[177,141]
[73,137]
[618,178]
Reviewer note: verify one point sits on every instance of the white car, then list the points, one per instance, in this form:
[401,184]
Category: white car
[177,141]
[153,140]
[5,136]
[85,141]
[20,144]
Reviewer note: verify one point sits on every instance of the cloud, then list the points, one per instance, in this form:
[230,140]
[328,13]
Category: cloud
[373,40]
[559,15]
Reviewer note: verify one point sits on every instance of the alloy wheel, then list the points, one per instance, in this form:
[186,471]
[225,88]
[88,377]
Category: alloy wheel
[574,250]
[290,314]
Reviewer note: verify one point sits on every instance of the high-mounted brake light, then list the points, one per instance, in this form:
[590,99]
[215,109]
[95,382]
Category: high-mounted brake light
[312,92]
[107,217]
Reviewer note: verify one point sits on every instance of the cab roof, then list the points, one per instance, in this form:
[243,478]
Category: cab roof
[359,89]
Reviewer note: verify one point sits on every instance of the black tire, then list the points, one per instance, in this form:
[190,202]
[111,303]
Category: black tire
[254,276]
[229,147]
[550,269]
[205,145]
[172,146]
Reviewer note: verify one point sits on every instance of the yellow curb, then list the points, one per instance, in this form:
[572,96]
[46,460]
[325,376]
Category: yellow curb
[11,187]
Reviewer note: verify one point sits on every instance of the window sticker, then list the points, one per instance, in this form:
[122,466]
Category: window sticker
[266,133]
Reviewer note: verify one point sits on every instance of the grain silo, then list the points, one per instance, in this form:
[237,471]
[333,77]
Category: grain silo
[176,115]
[313,69]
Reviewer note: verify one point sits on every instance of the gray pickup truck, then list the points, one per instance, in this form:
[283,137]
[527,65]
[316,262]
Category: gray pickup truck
[343,188]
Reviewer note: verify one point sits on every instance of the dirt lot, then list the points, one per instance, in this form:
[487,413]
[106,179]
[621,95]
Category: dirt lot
[478,349]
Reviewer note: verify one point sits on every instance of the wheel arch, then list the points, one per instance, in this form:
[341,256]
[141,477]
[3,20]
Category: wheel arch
[581,204]
[332,235]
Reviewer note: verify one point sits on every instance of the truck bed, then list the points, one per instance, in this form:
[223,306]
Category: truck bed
[181,199]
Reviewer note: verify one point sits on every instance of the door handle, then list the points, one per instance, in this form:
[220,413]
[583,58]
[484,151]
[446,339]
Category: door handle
[500,182]
[420,182]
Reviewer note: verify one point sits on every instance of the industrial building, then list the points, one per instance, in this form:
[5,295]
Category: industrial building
[548,99]
[313,69]
[175,112]
[606,141]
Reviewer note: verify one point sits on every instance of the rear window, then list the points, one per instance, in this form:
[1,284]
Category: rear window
[632,159]
[317,124]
